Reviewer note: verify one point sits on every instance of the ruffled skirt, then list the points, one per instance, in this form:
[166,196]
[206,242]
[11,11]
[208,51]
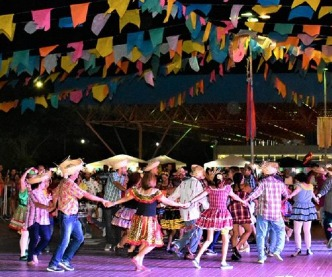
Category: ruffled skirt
[304,212]
[172,220]
[18,220]
[145,230]
[123,216]
[216,219]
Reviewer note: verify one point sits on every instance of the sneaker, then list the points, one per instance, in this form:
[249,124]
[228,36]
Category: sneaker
[190,256]
[309,252]
[226,266]
[278,257]
[245,249]
[104,232]
[296,253]
[54,268]
[175,249]
[67,266]
[23,258]
[88,236]
[196,264]
[108,247]
[210,252]
[234,257]
[329,244]
[261,260]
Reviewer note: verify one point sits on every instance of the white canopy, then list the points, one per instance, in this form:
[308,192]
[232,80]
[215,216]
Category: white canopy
[228,161]
[163,159]
[133,162]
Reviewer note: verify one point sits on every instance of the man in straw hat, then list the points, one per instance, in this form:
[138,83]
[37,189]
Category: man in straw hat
[187,190]
[326,191]
[115,185]
[66,196]
[270,191]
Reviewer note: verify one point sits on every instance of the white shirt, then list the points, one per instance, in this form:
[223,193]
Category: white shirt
[185,192]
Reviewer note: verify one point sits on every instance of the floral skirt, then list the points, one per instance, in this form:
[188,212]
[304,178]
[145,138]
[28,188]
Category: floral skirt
[145,230]
[123,216]
[17,222]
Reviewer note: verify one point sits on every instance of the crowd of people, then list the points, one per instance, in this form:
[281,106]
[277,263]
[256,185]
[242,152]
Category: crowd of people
[156,206]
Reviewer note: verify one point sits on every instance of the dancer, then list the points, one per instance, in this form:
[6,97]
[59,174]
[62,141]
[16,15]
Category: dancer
[303,212]
[186,191]
[241,216]
[17,223]
[66,196]
[145,229]
[38,220]
[270,190]
[216,217]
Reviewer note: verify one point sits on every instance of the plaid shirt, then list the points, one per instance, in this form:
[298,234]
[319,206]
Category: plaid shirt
[34,214]
[112,193]
[327,191]
[269,191]
[68,193]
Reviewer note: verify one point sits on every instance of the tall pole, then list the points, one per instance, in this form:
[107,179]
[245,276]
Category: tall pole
[252,90]
[325,114]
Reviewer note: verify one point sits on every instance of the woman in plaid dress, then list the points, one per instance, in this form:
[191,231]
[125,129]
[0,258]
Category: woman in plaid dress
[241,216]
[216,217]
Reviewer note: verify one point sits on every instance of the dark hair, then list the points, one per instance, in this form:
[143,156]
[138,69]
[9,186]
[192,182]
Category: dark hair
[237,178]
[146,180]
[301,177]
[134,179]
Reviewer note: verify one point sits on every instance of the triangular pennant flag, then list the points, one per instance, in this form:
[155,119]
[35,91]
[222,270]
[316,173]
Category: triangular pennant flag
[40,100]
[105,46]
[7,27]
[100,92]
[79,13]
[44,51]
[42,18]
[7,106]
[76,96]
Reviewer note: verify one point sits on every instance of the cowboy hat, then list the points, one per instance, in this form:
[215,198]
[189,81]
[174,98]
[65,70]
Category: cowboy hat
[69,167]
[151,165]
[269,168]
[36,179]
[120,164]
[321,170]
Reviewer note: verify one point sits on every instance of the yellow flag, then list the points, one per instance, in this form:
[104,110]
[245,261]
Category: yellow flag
[255,26]
[170,4]
[131,16]
[264,10]
[5,66]
[120,6]
[312,3]
[324,11]
[40,100]
[7,27]
[207,31]
[135,54]
[193,19]
[52,77]
[100,92]
[67,63]
[105,46]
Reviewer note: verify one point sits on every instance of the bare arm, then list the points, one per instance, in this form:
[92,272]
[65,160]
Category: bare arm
[169,202]
[237,198]
[94,198]
[199,196]
[119,186]
[127,198]
[295,192]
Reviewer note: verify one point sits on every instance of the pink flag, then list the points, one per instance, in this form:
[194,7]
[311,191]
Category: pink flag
[42,18]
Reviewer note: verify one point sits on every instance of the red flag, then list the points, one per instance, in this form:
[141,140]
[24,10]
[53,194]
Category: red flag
[251,114]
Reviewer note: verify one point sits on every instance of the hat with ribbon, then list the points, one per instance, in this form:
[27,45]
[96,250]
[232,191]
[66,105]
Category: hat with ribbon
[151,165]
[69,167]
[36,179]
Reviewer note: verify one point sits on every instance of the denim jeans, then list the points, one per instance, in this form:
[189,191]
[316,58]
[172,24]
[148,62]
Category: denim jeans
[215,240]
[40,236]
[191,237]
[71,238]
[326,223]
[113,233]
[278,235]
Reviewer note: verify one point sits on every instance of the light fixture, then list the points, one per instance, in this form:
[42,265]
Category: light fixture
[157,144]
[39,84]
[264,16]
[246,14]
[252,19]
[83,141]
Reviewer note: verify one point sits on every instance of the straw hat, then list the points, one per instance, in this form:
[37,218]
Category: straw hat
[36,179]
[270,168]
[321,170]
[120,164]
[69,167]
[197,171]
[151,165]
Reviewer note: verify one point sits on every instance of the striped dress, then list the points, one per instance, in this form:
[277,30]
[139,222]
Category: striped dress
[217,216]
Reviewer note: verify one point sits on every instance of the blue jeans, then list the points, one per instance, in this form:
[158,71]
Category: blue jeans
[278,235]
[326,222]
[215,240]
[191,236]
[40,236]
[71,238]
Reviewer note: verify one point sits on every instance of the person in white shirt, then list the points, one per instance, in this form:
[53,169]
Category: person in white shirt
[187,190]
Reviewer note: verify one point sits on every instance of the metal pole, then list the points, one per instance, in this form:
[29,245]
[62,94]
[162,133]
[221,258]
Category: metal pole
[252,89]
[325,114]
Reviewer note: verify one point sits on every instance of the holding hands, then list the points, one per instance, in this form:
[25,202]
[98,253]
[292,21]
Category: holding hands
[107,204]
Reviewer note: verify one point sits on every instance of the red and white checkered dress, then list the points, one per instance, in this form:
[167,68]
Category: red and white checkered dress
[217,215]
